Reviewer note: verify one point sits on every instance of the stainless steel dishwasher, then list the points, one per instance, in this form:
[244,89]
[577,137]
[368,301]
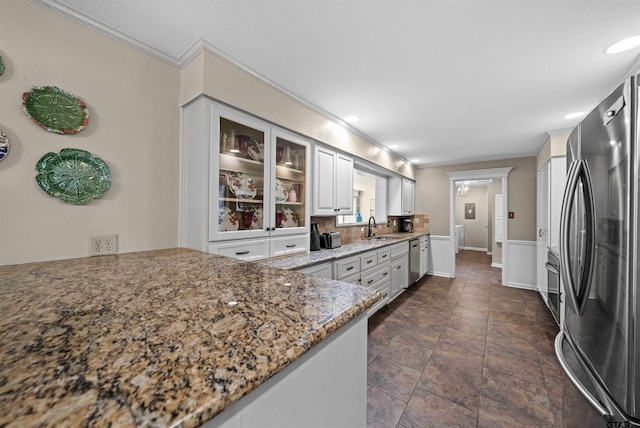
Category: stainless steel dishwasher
[414,260]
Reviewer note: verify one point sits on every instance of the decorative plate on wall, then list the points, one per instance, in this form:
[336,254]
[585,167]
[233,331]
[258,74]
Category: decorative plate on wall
[4,145]
[73,175]
[56,110]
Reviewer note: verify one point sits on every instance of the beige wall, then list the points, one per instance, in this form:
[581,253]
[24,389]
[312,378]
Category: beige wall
[432,195]
[554,145]
[134,127]
[476,232]
[212,75]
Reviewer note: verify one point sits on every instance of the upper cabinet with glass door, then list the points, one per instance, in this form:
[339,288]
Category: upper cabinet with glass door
[290,186]
[239,200]
[259,187]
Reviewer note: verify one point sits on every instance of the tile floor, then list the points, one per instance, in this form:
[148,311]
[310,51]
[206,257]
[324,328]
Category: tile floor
[464,352]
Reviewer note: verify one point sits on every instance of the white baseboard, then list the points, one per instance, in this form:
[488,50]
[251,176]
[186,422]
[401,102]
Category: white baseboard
[496,265]
[474,249]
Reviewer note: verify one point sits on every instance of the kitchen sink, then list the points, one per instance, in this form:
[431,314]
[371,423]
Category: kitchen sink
[383,238]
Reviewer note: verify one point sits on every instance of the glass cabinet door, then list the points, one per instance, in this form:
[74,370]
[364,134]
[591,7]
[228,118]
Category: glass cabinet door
[241,187]
[291,186]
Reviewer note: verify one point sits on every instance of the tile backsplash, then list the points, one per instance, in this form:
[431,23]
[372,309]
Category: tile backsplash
[352,233]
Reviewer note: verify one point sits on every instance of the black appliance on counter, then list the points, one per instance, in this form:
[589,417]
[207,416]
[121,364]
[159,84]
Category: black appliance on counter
[314,242]
[405,224]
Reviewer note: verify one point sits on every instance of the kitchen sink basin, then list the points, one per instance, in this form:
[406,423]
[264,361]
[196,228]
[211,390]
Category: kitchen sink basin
[383,238]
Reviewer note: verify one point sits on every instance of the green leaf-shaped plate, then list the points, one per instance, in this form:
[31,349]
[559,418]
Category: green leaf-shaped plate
[73,175]
[56,110]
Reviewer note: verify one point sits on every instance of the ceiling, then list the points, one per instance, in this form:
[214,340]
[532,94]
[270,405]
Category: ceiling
[446,81]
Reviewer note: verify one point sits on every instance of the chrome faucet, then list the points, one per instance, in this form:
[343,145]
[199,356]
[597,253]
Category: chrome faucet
[369,233]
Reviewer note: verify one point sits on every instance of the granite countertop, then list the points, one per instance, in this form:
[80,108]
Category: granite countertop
[153,338]
[311,258]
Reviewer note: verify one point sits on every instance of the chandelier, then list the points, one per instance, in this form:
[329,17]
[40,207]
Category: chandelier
[463,190]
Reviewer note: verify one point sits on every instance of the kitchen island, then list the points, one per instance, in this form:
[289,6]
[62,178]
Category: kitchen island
[158,338]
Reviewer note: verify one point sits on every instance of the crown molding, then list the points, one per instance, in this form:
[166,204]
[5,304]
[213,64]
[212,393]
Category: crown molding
[197,47]
[477,174]
[106,30]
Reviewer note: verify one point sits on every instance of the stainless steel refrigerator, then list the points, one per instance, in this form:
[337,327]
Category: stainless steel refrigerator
[598,345]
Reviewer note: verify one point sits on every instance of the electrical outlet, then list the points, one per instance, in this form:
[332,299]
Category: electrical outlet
[103,245]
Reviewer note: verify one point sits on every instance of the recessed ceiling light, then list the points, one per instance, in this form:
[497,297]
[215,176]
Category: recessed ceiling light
[352,119]
[414,160]
[623,45]
[393,146]
[574,115]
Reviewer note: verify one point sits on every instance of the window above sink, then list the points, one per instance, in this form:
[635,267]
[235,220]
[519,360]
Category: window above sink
[369,197]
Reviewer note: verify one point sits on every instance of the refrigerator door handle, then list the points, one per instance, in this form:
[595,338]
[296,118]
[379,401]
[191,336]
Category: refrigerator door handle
[590,242]
[578,298]
[605,413]
[565,216]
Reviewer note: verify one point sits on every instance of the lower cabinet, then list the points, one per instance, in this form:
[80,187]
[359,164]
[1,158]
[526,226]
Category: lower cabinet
[385,270]
[325,387]
[399,275]
[323,270]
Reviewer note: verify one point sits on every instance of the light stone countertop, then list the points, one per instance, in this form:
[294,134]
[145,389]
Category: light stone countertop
[149,338]
[299,261]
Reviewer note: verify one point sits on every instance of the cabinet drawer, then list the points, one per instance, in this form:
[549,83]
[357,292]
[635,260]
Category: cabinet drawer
[347,267]
[384,255]
[288,245]
[324,270]
[380,274]
[352,279]
[245,250]
[399,249]
[368,260]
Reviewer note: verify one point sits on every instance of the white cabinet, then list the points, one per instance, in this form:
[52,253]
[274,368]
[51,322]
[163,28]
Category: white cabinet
[325,387]
[241,179]
[323,270]
[399,266]
[333,183]
[400,196]
[551,182]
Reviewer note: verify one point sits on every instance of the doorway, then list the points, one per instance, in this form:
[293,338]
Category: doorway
[497,228]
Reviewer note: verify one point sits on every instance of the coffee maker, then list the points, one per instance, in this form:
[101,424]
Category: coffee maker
[405,224]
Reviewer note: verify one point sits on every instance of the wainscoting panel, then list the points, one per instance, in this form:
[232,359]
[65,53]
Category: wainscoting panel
[441,256]
[521,269]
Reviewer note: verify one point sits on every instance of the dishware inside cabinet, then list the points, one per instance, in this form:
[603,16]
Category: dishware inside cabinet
[290,184]
[241,177]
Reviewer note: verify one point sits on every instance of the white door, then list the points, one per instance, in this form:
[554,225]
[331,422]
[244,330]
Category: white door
[542,223]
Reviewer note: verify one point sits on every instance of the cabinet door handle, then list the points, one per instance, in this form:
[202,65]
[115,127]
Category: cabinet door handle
[241,253]
[370,261]
[291,245]
[399,267]
[385,274]
[384,256]
[350,267]
[370,281]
